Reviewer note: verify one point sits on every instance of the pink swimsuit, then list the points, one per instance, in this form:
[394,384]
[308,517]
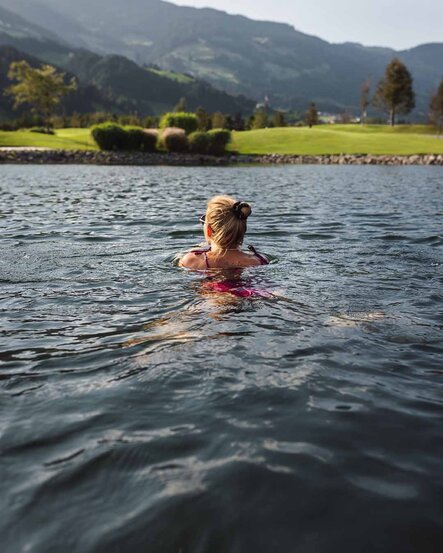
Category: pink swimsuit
[235,286]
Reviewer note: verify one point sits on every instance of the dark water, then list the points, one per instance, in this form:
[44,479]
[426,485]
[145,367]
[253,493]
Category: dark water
[142,413]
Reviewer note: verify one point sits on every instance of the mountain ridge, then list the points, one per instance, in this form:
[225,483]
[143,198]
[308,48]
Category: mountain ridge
[238,54]
[115,83]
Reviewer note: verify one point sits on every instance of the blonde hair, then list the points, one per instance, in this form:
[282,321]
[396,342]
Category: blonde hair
[227,219]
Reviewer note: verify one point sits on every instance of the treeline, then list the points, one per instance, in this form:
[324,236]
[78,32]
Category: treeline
[43,88]
[261,118]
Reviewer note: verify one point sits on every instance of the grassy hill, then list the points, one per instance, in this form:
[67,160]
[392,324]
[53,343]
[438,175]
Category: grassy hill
[324,139]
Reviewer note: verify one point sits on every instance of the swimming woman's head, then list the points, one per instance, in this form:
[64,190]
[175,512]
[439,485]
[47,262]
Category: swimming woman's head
[225,222]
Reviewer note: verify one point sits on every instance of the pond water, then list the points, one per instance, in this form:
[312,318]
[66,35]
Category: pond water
[143,412]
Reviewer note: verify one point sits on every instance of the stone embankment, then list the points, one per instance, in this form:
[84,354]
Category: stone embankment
[43,156]
[350,159]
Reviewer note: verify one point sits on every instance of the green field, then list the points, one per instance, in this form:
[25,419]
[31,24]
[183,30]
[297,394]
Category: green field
[339,139]
[66,139]
[323,139]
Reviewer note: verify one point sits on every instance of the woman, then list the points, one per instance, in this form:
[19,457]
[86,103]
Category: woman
[224,227]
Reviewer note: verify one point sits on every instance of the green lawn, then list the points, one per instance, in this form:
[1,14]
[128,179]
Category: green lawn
[338,139]
[323,139]
[66,139]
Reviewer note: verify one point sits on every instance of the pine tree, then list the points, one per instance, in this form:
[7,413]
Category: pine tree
[181,106]
[394,91]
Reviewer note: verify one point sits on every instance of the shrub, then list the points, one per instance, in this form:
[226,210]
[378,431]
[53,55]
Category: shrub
[42,130]
[109,136]
[133,138]
[186,121]
[199,142]
[149,140]
[174,140]
[218,140]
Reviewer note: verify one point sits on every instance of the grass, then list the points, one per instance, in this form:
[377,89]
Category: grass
[323,139]
[339,139]
[64,139]
[179,77]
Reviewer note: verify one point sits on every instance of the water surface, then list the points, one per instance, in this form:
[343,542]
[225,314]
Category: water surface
[142,413]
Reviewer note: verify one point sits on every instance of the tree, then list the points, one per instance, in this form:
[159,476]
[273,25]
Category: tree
[218,120]
[436,108]
[260,119]
[364,100]
[345,117]
[42,88]
[279,119]
[203,119]
[394,91]
[239,122]
[311,117]
[182,105]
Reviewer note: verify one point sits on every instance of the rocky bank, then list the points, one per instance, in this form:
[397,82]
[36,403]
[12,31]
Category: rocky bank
[41,156]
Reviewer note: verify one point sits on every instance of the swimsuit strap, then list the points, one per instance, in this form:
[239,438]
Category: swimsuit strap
[262,258]
[205,253]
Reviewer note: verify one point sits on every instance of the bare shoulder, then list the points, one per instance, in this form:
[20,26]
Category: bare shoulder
[191,261]
[250,260]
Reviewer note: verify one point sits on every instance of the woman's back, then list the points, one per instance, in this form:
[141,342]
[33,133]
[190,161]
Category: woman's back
[232,259]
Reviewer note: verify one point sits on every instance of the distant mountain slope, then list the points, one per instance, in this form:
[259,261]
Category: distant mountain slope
[122,85]
[18,27]
[87,98]
[235,53]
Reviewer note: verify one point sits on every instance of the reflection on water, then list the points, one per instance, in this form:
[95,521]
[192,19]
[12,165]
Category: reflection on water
[149,408]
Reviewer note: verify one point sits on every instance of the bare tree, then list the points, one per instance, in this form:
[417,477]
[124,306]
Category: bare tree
[364,99]
[436,108]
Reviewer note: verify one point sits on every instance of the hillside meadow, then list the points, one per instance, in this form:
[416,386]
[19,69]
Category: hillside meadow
[322,139]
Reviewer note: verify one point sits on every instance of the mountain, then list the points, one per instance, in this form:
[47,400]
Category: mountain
[86,99]
[118,84]
[16,26]
[237,54]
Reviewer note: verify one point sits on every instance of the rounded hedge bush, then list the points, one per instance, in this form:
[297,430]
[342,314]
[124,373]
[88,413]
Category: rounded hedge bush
[199,142]
[186,121]
[149,140]
[109,136]
[174,140]
[133,138]
[218,140]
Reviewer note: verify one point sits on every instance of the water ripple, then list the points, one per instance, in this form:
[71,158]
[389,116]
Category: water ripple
[141,411]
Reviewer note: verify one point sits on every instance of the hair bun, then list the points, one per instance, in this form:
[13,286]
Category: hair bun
[242,210]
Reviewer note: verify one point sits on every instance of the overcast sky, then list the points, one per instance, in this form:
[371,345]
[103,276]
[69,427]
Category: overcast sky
[399,24]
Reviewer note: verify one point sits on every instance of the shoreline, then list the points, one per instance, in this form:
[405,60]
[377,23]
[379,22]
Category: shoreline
[94,157]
